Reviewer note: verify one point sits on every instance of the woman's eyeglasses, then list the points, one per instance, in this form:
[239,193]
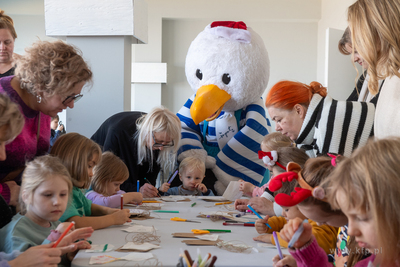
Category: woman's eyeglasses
[71,98]
[169,144]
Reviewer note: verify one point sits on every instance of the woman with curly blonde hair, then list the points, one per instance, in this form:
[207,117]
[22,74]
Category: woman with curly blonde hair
[315,121]
[48,78]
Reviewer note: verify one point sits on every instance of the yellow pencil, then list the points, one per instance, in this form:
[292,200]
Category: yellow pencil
[223,203]
[151,201]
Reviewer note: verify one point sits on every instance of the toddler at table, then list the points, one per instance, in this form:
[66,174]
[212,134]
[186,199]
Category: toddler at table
[191,173]
[108,176]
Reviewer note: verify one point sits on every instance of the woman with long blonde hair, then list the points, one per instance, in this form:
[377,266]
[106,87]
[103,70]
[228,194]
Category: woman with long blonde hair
[375,34]
[146,143]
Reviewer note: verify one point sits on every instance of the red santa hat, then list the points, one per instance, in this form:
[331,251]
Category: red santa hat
[232,30]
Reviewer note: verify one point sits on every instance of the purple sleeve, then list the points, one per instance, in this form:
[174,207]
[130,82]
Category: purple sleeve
[310,255]
[113,201]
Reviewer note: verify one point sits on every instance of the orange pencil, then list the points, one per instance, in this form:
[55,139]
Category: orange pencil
[223,203]
[122,202]
[63,234]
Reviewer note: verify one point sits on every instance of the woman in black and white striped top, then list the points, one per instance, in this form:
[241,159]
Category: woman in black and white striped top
[316,122]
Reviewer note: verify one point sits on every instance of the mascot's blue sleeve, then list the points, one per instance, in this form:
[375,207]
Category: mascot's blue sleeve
[191,135]
[239,157]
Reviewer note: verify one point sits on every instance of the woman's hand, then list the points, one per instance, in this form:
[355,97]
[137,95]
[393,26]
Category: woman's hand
[241,204]
[80,245]
[291,227]
[261,226]
[148,191]
[287,260]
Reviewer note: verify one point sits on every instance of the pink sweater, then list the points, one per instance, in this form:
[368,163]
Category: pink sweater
[258,191]
[25,146]
[313,255]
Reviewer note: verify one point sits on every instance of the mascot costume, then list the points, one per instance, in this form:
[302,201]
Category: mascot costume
[224,122]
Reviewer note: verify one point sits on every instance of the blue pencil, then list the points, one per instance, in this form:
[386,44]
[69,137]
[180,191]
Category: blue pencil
[138,185]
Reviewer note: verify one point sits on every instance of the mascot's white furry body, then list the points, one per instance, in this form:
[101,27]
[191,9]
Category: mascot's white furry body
[224,122]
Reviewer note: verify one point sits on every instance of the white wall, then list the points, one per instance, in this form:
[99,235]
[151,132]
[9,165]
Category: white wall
[333,15]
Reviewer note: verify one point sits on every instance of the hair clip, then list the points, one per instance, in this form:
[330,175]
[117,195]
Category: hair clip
[270,158]
[333,161]
[300,193]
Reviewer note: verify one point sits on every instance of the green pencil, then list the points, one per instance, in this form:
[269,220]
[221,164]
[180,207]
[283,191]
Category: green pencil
[194,203]
[167,211]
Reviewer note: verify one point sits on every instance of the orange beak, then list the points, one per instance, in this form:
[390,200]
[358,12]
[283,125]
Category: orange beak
[208,103]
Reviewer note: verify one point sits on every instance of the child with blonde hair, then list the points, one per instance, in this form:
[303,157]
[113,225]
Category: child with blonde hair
[108,176]
[80,155]
[191,172]
[45,189]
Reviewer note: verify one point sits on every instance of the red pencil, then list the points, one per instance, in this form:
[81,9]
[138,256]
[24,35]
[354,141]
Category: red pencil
[63,234]
[122,202]
[242,224]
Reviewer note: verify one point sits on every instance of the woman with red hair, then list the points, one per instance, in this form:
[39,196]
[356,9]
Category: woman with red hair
[316,122]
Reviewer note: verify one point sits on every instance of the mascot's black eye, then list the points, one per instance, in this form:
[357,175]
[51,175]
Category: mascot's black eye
[226,78]
[199,74]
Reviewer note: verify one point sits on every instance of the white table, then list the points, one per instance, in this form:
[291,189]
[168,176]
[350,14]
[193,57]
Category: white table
[169,252]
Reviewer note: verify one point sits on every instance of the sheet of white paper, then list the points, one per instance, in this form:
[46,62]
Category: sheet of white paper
[151,205]
[232,192]
[266,245]
[173,198]
[139,229]
[137,256]
[210,237]
[102,259]
[217,198]
[144,247]
[100,248]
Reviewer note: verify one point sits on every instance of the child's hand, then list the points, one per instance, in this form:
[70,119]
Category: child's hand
[287,260]
[266,238]
[63,226]
[80,245]
[81,233]
[42,255]
[164,188]
[290,228]
[202,187]
[121,216]
[261,228]
[246,187]
[133,197]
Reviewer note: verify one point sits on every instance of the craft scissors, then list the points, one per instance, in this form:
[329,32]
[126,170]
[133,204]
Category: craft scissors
[182,220]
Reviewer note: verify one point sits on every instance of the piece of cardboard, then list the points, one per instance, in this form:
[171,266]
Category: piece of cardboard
[232,192]
[198,242]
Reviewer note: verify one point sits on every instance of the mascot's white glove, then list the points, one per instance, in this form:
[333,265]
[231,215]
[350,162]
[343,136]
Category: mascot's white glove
[223,180]
[199,154]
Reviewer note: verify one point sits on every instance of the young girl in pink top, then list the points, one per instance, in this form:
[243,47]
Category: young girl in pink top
[108,176]
[366,188]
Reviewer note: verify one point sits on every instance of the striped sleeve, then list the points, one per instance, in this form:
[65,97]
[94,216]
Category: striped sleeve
[191,134]
[239,157]
[343,126]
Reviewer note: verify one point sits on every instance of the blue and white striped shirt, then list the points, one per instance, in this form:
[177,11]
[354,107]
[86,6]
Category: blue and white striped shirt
[239,157]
